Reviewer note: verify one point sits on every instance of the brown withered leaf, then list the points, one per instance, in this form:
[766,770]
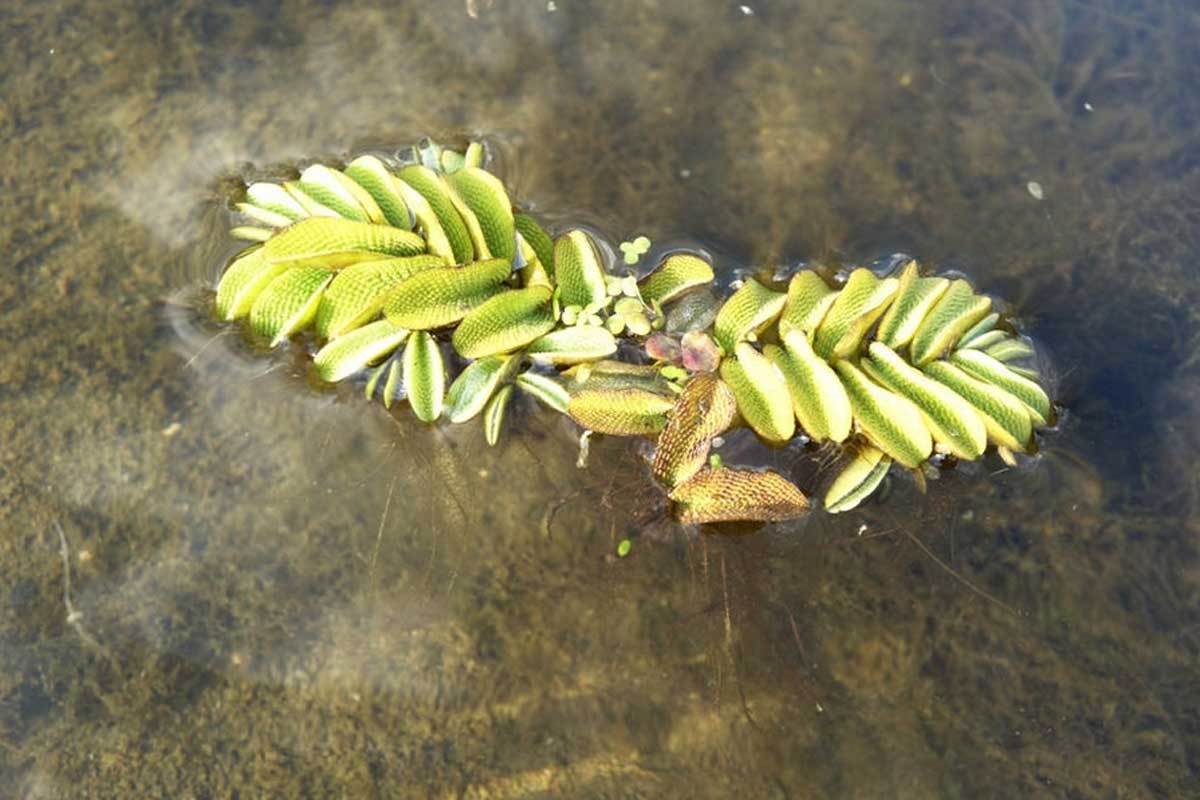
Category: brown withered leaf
[728,495]
[705,409]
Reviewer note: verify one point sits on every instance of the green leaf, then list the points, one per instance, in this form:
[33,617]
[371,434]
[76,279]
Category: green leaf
[953,315]
[424,376]
[476,384]
[504,323]
[333,243]
[891,422]
[761,392]
[288,303]
[348,354]
[859,304]
[377,180]
[428,184]
[484,194]
[437,297]
[913,300]
[546,389]
[751,308]
[819,400]
[578,270]
[857,480]
[493,416]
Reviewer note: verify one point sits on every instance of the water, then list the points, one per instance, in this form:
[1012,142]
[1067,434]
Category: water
[280,590]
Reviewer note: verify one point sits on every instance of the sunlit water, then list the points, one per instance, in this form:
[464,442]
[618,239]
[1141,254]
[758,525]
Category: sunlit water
[278,589]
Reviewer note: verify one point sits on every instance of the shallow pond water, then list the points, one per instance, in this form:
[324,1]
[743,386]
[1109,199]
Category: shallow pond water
[220,580]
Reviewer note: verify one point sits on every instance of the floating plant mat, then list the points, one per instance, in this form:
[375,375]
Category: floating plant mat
[419,276]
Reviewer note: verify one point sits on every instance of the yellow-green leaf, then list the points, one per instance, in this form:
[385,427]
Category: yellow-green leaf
[428,184]
[288,303]
[276,199]
[348,354]
[857,480]
[493,416]
[538,239]
[546,389]
[335,191]
[859,304]
[677,274]
[311,207]
[504,323]
[987,325]
[437,297]
[377,180]
[532,271]
[479,243]
[332,243]
[818,398]
[951,419]
[573,345]
[475,385]
[958,309]
[424,376]
[485,195]
[891,422]
[578,270]
[808,300]
[243,281]
[251,233]
[986,368]
[761,392]
[751,308]
[1006,418]
[914,297]
[475,155]
[394,388]
[983,341]
[1010,349]
[357,293]
[264,216]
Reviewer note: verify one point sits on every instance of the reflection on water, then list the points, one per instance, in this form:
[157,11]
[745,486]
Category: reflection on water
[281,590]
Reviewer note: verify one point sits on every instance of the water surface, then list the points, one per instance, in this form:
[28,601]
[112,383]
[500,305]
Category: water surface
[279,590]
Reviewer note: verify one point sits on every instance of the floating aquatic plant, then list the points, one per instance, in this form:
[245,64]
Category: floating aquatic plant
[633,251]
[420,274]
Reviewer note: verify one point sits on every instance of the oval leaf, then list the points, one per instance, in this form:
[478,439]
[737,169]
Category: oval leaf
[424,376]
[475,385]
[350,353]
[504,323]
[729,495]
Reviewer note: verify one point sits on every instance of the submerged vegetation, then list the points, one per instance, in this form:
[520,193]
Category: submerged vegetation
[303,595]
[420,270]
